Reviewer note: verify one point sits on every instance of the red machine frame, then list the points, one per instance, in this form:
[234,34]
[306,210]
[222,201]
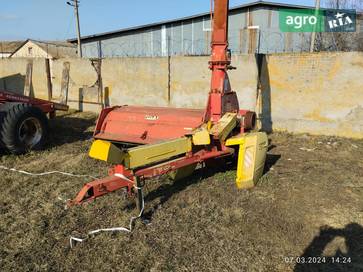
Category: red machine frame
[221,100]
[45,105]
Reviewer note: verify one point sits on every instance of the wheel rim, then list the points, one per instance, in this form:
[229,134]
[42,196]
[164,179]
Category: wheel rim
[30,132]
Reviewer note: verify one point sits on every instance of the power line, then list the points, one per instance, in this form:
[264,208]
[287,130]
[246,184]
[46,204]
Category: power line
[71,18]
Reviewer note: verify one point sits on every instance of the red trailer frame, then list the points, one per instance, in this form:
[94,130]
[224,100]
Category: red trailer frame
[45,105]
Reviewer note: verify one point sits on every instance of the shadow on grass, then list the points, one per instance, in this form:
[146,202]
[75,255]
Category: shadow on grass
[166,191]
[64,129]
[3,151]
[271,160]
[351,260]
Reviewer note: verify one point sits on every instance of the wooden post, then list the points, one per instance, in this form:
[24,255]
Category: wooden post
[97,65]
[140,197]
[28,79]
[65,83]
[100,84]
[80,98]
[107,97]
[49,80]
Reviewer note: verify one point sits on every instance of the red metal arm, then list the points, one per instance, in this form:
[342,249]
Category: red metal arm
[221,98]
[120,177]
[45,105]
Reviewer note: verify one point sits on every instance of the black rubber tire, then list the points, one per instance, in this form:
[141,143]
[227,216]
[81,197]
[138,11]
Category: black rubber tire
[13,117]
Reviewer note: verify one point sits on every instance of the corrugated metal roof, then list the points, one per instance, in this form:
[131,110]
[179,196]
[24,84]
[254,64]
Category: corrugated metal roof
[124,30]
[10,47]
[56,49]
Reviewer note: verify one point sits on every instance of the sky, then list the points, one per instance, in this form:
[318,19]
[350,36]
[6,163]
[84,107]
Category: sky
[54,19]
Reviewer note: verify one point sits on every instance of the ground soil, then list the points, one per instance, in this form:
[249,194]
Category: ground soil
[307,204]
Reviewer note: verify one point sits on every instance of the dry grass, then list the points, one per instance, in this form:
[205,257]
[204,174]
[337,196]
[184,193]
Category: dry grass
[308,203]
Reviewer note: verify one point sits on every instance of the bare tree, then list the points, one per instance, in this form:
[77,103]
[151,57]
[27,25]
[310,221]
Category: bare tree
[345,4]
[342,41]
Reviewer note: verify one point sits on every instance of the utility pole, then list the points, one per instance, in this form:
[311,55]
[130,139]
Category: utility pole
[313,34]
[74,3]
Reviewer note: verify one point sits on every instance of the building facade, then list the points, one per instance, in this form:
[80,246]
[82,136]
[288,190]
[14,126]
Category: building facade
[40,49]
[253,28]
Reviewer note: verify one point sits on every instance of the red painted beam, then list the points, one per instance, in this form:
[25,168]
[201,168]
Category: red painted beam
[45,105]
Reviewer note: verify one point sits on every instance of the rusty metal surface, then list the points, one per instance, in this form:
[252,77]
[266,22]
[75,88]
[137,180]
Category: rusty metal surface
[145,125]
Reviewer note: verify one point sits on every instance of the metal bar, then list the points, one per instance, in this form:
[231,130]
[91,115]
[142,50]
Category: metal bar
[11,97]
[100,187]
[84,102]
[172,165]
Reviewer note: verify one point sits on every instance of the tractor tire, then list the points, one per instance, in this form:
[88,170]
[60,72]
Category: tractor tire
[22,128]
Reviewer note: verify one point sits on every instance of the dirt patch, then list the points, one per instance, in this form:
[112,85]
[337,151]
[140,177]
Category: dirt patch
[308,204]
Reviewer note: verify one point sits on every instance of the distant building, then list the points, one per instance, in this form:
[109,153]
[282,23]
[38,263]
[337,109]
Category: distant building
[253,28]
[7,48]
[42,49]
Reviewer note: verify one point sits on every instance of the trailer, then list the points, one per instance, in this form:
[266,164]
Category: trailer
[24,121]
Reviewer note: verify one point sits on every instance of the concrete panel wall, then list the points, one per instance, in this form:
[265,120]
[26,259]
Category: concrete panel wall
[190,81]
[136,81]
[12,75]
[83,85]
[317,93]
[13,72]
[39,79]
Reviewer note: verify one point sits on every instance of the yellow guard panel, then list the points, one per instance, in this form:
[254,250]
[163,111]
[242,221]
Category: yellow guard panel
[251,157]
[201,137]
[106,151]
[224,126]
[140,155]
[152,153]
